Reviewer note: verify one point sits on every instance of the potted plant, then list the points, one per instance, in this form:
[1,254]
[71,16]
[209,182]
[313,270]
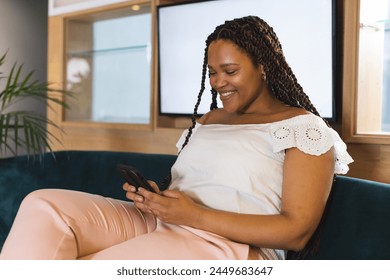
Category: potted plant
[23,130]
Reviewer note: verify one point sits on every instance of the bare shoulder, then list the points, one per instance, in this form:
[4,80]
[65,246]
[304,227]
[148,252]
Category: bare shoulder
[291,112]
[213,116]
[283,113]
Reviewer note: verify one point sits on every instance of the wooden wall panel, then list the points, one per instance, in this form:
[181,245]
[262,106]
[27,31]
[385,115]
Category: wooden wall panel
[160,141]
[372,162]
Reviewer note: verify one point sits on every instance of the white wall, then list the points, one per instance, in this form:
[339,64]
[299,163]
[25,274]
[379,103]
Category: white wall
[23,34]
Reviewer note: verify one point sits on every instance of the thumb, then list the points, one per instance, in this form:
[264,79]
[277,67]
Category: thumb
[154,186]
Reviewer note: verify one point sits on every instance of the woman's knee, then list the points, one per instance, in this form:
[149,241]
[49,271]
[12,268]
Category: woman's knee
[38,195]
[37,198]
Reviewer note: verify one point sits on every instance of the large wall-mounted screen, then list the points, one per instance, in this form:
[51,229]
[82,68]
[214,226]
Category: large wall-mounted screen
[304,27]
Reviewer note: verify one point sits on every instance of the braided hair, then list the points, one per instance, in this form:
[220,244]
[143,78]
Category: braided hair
[258,40]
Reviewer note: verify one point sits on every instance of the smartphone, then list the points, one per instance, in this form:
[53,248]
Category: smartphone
[134,177]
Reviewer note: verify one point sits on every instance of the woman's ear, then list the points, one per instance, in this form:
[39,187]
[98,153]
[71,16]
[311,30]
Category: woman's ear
[261,70]
[260,67]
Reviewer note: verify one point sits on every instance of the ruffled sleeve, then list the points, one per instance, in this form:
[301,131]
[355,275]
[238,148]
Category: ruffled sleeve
[311,135]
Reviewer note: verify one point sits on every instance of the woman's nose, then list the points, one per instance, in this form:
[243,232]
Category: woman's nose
[218,82]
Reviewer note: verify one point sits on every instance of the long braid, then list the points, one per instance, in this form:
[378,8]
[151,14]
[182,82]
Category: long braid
[167,179]
[214,103]
[199,98]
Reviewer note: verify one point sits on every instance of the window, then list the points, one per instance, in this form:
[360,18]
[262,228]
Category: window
[108,66]
[373,86]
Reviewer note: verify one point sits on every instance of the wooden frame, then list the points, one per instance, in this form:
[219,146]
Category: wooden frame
[104,136]
[350,79]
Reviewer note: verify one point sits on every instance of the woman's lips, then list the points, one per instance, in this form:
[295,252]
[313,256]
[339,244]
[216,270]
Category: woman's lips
[226,95]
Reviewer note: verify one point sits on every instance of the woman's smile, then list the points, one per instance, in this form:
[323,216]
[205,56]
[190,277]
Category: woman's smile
[226,96]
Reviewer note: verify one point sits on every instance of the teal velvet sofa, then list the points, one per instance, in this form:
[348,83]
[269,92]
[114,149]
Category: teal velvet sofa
[356,226]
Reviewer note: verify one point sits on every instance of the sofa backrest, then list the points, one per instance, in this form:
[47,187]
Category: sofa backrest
[356,224]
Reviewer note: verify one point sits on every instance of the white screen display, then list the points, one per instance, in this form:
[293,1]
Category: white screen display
[304,28]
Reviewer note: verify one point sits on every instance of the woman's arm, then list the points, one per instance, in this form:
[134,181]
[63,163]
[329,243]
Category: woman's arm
[306,184]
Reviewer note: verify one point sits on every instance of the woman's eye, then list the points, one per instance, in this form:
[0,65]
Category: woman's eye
[232,72]
[211,73]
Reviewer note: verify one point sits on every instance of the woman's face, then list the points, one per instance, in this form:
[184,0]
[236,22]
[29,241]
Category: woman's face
[232,74]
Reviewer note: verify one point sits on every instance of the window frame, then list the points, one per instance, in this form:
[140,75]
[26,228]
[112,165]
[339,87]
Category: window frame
[350,79]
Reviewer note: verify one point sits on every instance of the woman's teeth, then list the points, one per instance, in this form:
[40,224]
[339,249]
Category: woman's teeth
[225,94]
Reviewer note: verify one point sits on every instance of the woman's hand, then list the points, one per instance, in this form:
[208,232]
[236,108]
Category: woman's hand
[169,206]
[136,197]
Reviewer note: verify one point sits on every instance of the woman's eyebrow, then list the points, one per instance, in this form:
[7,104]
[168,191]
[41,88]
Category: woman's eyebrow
[225,65]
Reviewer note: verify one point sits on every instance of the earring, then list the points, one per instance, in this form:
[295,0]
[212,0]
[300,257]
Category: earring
[263,76]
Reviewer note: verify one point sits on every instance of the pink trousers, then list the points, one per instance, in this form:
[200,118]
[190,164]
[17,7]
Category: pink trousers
[64,224]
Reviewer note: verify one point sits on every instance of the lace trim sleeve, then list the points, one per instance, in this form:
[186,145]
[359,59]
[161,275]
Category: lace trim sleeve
[311,135]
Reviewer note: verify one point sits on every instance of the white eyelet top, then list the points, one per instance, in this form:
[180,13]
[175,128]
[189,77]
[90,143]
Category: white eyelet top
[239,168]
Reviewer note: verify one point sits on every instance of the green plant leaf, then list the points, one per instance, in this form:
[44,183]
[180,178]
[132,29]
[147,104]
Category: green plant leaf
[23,129]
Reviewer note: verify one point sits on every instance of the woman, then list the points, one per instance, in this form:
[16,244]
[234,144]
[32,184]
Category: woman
[251,180]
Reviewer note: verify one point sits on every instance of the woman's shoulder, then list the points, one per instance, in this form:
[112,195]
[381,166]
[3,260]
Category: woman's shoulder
[212,117]
[288,114]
